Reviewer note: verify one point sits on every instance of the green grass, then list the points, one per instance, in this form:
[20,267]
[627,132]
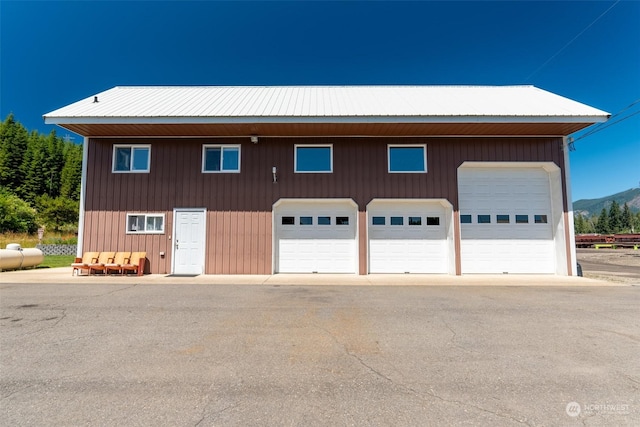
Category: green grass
[53,261]
[31,240]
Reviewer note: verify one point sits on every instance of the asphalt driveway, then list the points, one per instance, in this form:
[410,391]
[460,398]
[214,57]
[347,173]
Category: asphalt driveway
[93,353]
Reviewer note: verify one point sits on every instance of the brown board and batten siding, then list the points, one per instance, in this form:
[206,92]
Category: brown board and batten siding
[239,205]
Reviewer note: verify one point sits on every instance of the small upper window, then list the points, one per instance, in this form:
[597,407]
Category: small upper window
[313,159]
[145,223]
[522,219]
[131,158]
[415,220]
[465,219]
[221,158]
[433,220]
[306,220]
[407,158]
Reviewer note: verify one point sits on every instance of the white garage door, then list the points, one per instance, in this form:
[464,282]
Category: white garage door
[407,237]
[505,220]
[316,237]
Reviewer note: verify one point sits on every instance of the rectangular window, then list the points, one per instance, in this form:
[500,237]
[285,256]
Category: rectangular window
[313,158]
[288,220]
[465,219]
[522,219]
[502,219]
[540,219]
[342,220]
[415,220]
[397,220]
[377,220]
[324,220]
[145,224]
[220,158]
[306,220]
[484,219]
[131,158]
[433,220]
[407,158]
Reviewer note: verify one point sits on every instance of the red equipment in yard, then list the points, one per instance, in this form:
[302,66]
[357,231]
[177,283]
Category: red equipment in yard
[608,240]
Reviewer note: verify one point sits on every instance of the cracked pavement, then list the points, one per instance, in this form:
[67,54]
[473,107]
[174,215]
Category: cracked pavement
[204,355]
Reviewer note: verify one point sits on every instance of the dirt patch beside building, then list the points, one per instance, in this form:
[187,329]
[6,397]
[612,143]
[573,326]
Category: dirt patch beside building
[616,265]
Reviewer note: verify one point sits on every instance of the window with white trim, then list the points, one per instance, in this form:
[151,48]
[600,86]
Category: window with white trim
[220,158]
[145,223]
[407,158]
[313,158]
[131,158]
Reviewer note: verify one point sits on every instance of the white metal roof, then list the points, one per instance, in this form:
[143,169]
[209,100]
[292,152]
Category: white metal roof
[309,104]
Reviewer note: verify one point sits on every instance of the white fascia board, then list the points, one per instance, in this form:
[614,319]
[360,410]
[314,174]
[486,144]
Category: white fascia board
[323,119]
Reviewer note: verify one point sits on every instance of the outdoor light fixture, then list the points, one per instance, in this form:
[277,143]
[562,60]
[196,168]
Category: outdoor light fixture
[254,139]
[274,170]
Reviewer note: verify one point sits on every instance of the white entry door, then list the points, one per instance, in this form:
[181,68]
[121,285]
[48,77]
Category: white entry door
[188,241]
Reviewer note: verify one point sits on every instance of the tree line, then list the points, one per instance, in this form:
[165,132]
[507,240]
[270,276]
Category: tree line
[614,220]
[39,180]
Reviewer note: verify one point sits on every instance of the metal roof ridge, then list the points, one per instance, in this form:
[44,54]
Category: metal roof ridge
[411,85]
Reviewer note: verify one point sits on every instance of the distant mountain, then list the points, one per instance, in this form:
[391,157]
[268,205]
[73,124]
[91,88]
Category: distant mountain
[588,207]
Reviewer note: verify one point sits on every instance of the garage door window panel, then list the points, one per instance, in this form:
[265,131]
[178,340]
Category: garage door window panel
[324,220]
[288,220]
[540,219]
[397,220]
[313,158]
[484,219]
[378,220]
[342,220]
[522,219]
[415,220]
[306,220]
[502,219]
[433,220]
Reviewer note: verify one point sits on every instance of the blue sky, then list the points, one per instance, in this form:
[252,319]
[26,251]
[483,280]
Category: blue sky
[53,53]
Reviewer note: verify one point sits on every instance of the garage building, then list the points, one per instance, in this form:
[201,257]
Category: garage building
[329,179]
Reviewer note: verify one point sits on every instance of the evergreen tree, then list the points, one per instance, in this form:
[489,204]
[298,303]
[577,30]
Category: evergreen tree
[602,224]
[33,168]
[54,162]
[71,172]
[13,144]
[579,224]
[627,218]
[635,223]
[615,218]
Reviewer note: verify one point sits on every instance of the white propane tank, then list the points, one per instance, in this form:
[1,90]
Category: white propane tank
[14,257]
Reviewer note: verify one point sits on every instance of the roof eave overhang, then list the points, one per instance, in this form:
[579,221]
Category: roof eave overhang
[325,126]
[58,120]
